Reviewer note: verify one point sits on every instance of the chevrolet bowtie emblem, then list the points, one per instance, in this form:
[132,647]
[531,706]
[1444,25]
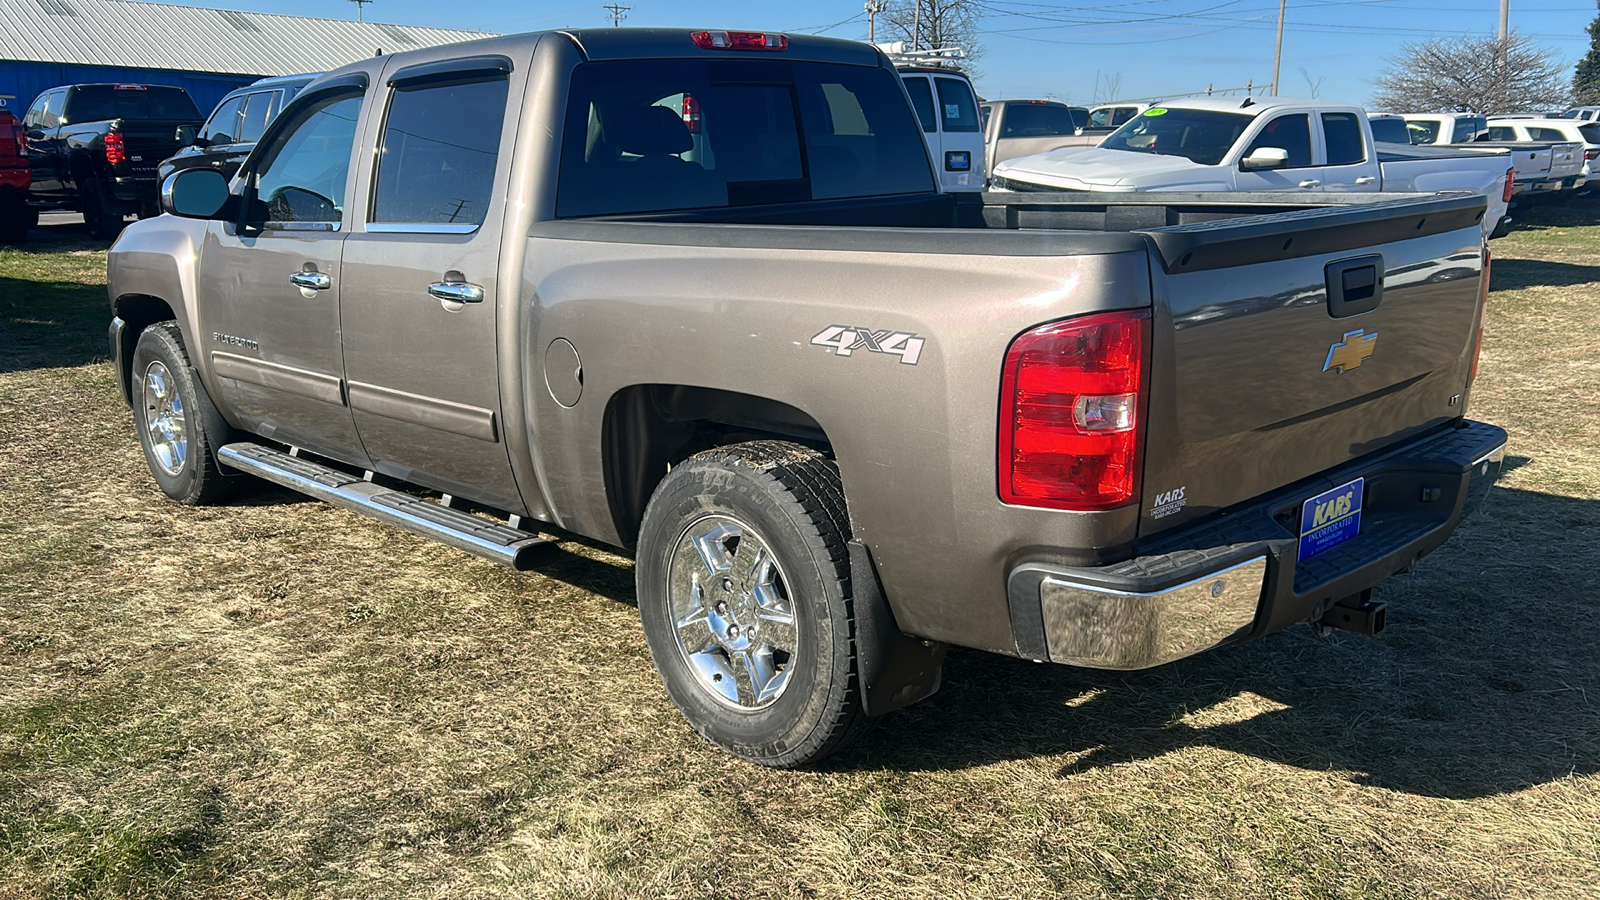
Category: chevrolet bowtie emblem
[1347,354]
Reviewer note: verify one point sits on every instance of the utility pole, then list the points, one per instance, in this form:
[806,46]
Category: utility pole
[361,6]
[916,25]
[1503,51]
[1277,53]
[618,13]
[873,8]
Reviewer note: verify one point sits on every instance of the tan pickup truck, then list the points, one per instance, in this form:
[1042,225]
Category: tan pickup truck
[502,292]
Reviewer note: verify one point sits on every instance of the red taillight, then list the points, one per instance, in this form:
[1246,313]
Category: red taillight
[116,150]
[1592,155]
[1071,400]
[1483,313]
[131,87]
[1511,176]
[739,40]
[691,113]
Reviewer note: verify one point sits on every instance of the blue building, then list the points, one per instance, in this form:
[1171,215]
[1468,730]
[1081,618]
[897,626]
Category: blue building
[207,52]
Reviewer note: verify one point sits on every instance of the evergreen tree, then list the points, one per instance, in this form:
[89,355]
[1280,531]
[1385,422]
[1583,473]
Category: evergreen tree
[1586,80]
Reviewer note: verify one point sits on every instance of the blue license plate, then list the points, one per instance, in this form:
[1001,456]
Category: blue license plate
[1331,518]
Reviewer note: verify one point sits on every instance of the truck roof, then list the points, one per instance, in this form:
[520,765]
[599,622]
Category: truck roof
[1254,106]
[658,43]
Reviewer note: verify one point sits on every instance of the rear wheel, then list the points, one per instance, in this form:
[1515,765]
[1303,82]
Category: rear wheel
[179,428]
[15,217]
[101,214]
[744,592]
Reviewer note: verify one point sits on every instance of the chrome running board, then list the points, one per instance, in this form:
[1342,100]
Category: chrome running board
[481,537]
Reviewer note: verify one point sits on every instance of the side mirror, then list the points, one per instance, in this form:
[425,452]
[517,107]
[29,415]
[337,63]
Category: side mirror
[186,135]
[196,194]
[1265,158]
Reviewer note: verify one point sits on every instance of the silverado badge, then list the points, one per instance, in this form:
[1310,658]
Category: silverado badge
[1348,353]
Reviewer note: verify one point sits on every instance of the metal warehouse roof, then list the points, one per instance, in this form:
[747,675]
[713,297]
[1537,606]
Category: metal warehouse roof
[160,36]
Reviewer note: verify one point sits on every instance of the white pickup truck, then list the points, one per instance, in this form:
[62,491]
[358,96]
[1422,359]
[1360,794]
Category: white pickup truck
[1260,144]
[1548,162]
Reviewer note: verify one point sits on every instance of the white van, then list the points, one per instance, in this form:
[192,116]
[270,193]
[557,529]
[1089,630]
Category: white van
[947,107]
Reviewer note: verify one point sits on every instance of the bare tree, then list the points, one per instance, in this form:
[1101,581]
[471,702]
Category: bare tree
[1106,87]
[1314,84]
[935,25]
[1477,74]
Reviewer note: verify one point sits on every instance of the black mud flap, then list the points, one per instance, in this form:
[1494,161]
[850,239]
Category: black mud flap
[896,669]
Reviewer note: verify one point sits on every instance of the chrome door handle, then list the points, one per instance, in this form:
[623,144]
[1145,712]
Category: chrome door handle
[315,281]
[455,289]
[1311,184]
[1365,179]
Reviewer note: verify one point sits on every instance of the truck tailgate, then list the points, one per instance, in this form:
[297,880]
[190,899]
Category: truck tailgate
[148,142]
[1260,381]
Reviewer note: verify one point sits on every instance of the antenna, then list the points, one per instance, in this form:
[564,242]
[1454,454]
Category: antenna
[618,13]
[361,6]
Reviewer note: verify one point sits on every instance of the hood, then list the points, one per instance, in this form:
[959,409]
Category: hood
[1098,167]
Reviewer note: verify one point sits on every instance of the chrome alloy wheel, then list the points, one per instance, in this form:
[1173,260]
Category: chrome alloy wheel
[732,613]
[164,419]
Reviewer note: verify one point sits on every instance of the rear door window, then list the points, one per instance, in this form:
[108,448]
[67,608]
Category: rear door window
[437,156]
[758,131]
[1342,132]
[1502,133]
[958,111]
[922,102]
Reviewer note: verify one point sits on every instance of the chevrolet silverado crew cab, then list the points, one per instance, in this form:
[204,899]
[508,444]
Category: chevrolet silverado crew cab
[1260,144]
[498,292]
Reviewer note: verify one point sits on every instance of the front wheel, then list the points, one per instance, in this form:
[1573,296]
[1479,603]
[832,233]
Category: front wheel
[744,592]
[179,428]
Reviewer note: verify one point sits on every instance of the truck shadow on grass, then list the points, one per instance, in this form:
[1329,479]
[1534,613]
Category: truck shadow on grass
[50,325]
[1516,274]
[1485,683]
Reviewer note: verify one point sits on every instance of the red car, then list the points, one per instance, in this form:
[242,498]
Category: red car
[15,216]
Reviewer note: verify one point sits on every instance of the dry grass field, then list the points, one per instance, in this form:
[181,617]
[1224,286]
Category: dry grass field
[281,699]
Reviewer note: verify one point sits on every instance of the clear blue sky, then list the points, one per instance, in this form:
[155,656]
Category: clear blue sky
[1039,48]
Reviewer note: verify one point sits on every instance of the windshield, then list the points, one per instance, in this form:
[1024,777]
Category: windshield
[1201,136]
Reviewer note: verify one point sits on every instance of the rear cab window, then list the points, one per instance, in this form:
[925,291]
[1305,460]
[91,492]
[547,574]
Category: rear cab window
[755,132]
[1041,120]
[99,102]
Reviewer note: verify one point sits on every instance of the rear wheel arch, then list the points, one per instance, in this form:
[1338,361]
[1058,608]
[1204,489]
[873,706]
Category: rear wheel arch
[650,427]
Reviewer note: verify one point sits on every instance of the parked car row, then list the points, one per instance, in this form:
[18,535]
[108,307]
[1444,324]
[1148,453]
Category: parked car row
[1260,144]
[103,149]
[1553,154]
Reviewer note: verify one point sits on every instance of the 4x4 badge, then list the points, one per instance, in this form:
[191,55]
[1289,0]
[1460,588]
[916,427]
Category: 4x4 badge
[1348,354]
[845,340]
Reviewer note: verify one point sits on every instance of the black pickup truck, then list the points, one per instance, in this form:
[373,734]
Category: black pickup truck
[93,148]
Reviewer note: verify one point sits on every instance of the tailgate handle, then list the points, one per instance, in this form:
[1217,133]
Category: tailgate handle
[1354,286]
